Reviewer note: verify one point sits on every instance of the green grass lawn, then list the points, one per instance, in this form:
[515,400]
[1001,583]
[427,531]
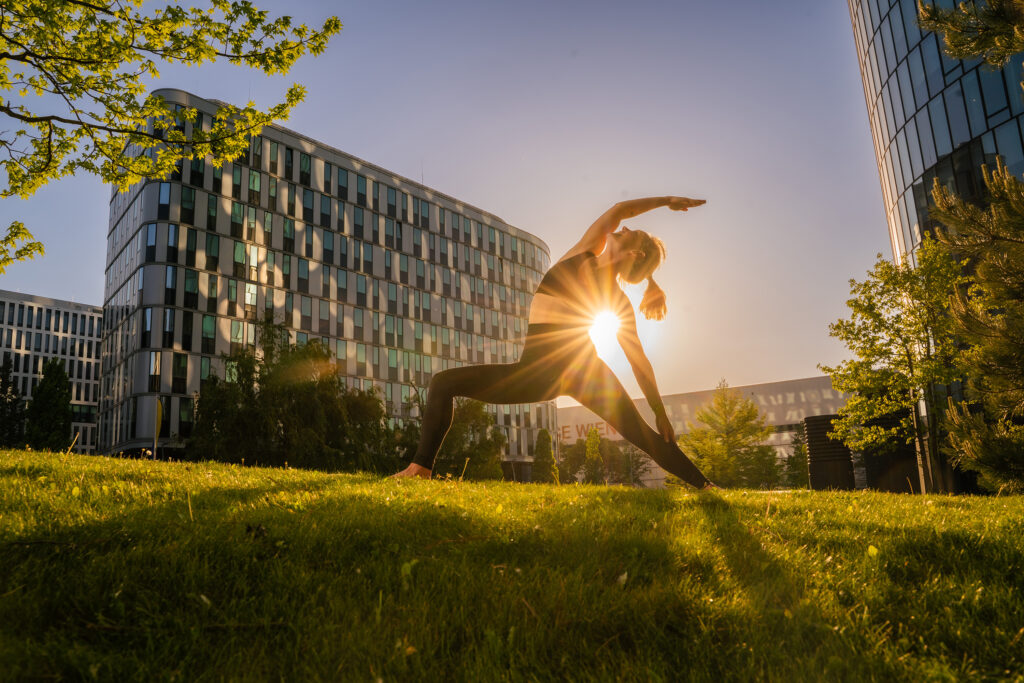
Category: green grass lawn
[117,569]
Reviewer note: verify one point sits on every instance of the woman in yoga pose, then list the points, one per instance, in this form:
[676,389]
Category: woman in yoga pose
[558,355]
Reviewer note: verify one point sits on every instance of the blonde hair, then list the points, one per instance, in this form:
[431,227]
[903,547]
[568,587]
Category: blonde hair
[652,252]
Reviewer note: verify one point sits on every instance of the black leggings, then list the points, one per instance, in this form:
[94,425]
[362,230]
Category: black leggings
[555,362]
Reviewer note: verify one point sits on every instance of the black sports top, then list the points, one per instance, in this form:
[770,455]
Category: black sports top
[563,279]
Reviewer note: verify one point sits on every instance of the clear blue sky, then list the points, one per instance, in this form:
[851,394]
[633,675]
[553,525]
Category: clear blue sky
[545,113]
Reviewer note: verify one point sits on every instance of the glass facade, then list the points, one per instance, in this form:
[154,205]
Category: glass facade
[397,280]
[931,117]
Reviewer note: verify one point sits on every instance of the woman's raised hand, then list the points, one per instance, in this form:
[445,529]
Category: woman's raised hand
[683,203]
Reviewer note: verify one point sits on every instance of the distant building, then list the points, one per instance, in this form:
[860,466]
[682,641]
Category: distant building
[784,405]
[398,280]
[34,329]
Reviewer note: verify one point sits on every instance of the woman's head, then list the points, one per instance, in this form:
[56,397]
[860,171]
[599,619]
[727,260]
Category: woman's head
[639,255]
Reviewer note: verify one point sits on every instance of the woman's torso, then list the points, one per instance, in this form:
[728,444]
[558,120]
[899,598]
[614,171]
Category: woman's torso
[572,292]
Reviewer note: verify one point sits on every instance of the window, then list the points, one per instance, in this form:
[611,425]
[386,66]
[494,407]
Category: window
[179,373]
[307,205]
[190,247]
[197,172]
[304,168]
[328,246]
[289,235]
[172,242]
[327,178]
[154,371]
[212,251]
[188,205]
[236,181]
[360,190]
[238,269]
[273,157]
[291,200]
[342,184]
[211,212]
[250,296]
[289,165]
[209,334]
[303,275]
[392,202]
[325,211]
[232,297]
[168,329]
[186,331]
[357,222]
[147,328]
[270,267]
[150,244]
[306,311]
[163,209]
[211,294]
[170,281]
[254,187]
[325,317]
[237,219]
[236,336]
[191,289]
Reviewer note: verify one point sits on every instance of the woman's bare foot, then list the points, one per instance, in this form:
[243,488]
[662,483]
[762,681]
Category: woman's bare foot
[413,470]
[710,486]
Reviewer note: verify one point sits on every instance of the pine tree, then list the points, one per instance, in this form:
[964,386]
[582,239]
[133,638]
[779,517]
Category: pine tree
[48,424]
[12,408]
[593,465]
[990,317]
[571,459]
[795,472]
[989,30]
[544,469]
[729,449]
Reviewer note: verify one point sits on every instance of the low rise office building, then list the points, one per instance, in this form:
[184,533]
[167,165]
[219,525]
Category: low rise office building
[36,329]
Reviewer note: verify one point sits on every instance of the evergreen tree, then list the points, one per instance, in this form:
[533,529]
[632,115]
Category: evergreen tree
[729,448]
[74,75]
[12,409]
[544,469]
[631,465]
[48,424]
[989,315]
[795,472]
[992,30]
[593,464]
[906,352]
[571,461]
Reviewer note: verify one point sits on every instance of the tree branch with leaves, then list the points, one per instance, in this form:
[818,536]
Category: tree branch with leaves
[73,80]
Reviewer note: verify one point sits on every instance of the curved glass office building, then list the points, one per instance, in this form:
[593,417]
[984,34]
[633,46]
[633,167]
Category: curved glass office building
[398,280]
[931,116]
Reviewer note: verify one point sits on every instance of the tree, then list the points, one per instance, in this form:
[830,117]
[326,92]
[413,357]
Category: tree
[988,30]
[989,315]
[12,409]
[628,464]
[571,461]
[729,449]
[289,404]
[473,437]
[593,463]
[906,353]
[79,71]
[48,424]
[795,473]
[544,469]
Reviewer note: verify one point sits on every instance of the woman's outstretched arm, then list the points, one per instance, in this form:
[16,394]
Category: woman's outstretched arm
[594,238]
[644,373]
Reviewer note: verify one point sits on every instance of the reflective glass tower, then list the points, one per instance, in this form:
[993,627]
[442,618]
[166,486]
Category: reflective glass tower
[931,116]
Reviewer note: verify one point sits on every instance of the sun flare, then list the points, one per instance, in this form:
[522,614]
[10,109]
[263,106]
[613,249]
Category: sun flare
[602,333]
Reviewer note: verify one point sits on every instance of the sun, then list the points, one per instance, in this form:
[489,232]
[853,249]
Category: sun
[602,333]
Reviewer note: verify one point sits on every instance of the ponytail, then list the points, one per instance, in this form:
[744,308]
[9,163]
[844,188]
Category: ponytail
[653,304]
